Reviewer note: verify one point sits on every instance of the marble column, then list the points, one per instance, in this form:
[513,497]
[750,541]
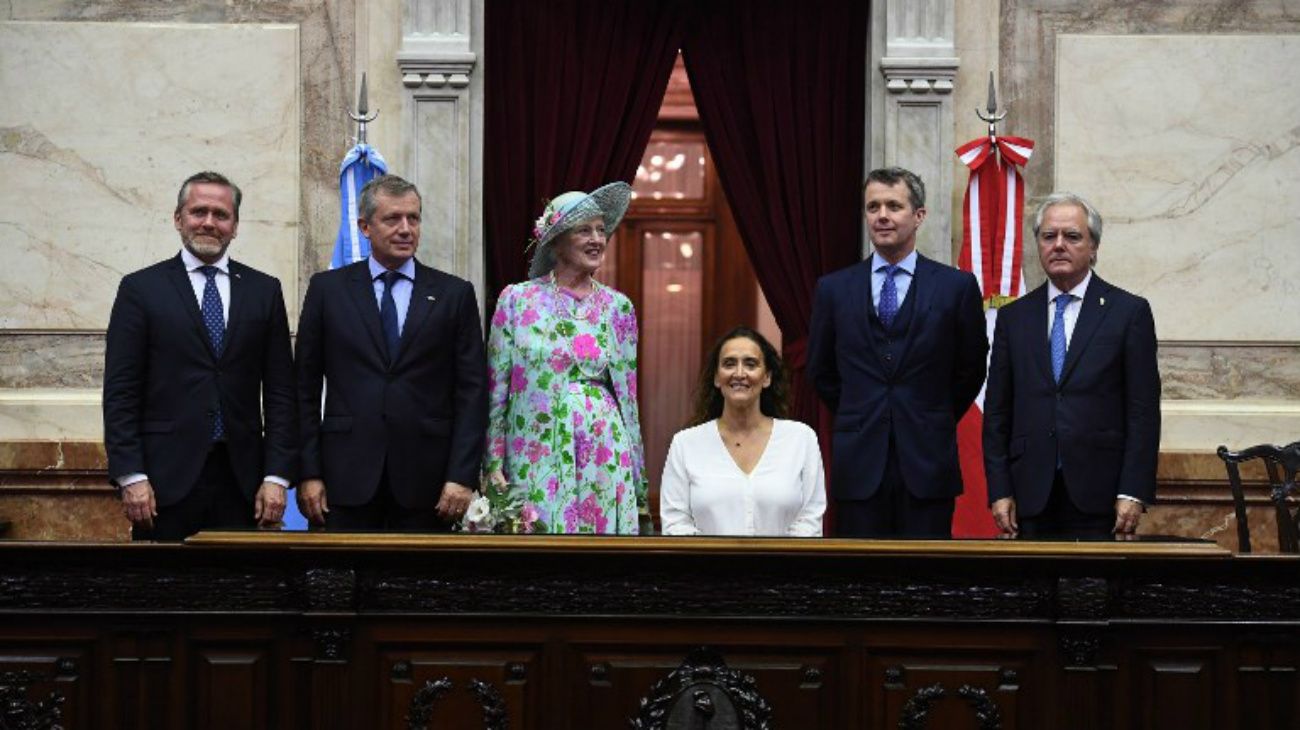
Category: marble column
[442,125]
[913,64]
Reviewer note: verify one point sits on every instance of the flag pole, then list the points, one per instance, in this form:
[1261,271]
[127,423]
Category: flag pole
[992,116]
[362,116]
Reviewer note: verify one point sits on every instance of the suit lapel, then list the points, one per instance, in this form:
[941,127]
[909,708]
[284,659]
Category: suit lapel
[1038,336]
[1091,315]
[424,297]
[180,280]
[861,300]
[922,289]
[238,303]
[361,289]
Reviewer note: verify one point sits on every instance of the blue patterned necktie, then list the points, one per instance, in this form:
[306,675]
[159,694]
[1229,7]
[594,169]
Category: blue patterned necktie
[1058,335]
[215,322]
[388,314]
[888,308]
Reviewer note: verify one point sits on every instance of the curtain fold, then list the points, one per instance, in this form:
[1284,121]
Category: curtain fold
[781,91]
[573,89]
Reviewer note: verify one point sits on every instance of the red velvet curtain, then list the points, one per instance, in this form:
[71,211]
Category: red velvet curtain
[781,91]
[573,89]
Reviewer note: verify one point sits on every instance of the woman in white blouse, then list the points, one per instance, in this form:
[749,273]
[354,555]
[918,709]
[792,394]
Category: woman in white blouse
[743,470]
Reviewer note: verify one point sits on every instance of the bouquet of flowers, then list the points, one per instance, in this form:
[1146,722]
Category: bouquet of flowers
[498,509]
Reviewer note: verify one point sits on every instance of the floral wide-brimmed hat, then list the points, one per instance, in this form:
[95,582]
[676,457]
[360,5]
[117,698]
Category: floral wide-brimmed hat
[569,209]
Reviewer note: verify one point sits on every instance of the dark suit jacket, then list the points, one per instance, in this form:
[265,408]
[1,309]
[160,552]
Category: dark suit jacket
[425,416]
[939,372]
[1104,416]
[162,381]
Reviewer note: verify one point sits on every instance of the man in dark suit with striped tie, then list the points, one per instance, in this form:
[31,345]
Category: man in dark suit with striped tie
[199,410]
[1072,409]
[397,348]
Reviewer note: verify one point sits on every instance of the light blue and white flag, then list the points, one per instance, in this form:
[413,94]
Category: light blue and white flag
[362,164]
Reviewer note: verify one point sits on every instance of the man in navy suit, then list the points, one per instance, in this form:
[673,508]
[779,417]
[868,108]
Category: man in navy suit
[1072,409]
[197,350]
[398,348]
[897,351]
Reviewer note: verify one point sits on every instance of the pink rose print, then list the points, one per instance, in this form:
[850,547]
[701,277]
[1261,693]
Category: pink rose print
[625,459]
[529,316]
[603,454]
[619,492]
[585,347]
[536,450]
[499,447]
[559,361]
[631,385]
[577,419]
[499,317]
[582,448]
[552,486]
[518,379]
[517,445]
[598,427]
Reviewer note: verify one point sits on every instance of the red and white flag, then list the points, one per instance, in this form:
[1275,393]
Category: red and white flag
[992,221]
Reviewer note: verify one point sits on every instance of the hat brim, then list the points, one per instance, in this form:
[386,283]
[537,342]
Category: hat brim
[608,202]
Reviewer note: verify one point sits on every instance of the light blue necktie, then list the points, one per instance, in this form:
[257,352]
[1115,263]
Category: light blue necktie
[1058,336]
[888,308]
[215,322]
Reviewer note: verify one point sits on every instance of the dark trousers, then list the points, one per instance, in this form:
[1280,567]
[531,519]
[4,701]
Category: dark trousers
[383,513]
[215,501]
[893,511]
[1061,518]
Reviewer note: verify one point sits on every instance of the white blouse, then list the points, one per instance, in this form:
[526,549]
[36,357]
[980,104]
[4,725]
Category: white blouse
[705,492]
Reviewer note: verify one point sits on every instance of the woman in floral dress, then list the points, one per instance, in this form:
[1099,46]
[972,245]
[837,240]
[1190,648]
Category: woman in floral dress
[563,428]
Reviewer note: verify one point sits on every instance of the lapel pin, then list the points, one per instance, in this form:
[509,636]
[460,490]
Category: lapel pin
[1103,301]
[431,298]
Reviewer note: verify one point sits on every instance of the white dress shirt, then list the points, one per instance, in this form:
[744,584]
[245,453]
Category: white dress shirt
[402,288]
[705,492]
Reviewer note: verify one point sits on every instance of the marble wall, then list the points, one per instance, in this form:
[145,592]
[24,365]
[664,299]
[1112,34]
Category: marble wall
[1175,119]
[109,105]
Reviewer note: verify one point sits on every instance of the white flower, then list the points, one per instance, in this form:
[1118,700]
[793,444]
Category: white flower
[478,516]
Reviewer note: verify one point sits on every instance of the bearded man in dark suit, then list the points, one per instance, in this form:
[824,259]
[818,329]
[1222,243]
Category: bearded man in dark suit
[1072,409]
[199,409]
[398,349]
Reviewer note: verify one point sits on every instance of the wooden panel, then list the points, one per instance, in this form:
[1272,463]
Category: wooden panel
[1268,683]
[230,689]
[57,670]
[1175,688]
[457,687]
[609,682]
[950,678]
[143,682]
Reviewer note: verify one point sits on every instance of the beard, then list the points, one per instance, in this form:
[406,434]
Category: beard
[206,248]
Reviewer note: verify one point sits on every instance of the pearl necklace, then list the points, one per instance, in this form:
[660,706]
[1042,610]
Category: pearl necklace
[573,314]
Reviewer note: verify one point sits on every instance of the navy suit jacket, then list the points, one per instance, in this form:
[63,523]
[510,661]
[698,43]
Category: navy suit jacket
[423,418]
[1103,419]
[162,381]
[940,371]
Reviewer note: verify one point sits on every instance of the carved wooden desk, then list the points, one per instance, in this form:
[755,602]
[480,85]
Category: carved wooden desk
[292,630]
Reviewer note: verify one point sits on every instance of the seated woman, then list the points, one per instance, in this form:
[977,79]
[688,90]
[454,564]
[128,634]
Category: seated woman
[742,469]
[563,426]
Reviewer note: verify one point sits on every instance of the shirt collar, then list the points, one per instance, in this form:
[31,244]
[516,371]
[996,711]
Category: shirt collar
[1077,292]
[377,269]
[908,264]
[194,263]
